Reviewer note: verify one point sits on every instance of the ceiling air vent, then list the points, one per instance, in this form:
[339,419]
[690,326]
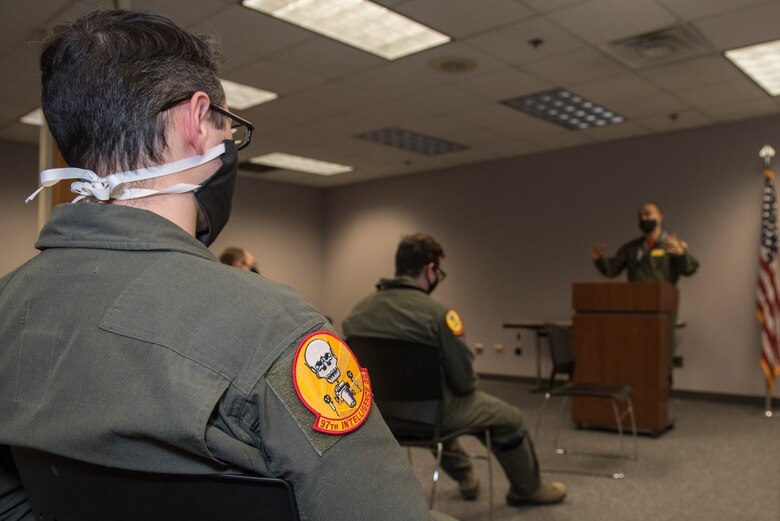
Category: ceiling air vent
[412,141]
[672,44]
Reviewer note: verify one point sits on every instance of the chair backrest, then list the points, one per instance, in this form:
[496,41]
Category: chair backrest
[561,351]
[62,489]
[406,378]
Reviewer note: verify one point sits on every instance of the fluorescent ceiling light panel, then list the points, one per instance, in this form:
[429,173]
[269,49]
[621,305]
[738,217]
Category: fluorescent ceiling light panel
[358,23]
[566,109]
[300,164]
[33,118]
[240,96]
[761,63]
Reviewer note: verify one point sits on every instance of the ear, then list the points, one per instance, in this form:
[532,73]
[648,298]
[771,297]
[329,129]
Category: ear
[196,124]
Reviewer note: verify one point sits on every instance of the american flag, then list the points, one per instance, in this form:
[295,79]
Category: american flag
[768,297]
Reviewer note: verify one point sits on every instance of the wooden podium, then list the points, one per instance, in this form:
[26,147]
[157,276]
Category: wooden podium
[622,334]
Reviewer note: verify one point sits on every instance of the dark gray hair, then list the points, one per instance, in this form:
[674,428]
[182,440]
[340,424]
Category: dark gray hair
[107,76]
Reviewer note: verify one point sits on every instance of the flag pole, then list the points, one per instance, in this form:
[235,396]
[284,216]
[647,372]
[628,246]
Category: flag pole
[767,153]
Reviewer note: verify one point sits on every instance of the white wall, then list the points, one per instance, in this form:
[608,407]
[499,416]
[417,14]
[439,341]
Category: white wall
[279,223]
[517,233]
[282,226]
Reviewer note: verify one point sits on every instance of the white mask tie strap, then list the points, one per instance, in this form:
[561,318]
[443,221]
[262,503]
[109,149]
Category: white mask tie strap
[89,184]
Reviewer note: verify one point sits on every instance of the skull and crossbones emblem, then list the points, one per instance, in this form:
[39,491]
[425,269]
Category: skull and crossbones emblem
[323,362]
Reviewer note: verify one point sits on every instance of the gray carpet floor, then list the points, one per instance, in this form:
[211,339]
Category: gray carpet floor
[721,461]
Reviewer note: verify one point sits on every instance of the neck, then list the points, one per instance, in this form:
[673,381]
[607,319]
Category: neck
[180,209]
[653,235]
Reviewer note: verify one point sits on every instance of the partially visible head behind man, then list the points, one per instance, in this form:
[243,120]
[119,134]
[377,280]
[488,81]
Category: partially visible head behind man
[239,258]
[415,252]
[106,78]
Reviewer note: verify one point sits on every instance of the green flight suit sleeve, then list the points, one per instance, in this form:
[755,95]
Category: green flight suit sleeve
[458,361]
[612,266]
[684,264]
[359,475]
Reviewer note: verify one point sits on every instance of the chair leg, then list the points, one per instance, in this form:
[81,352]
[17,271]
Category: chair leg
[488,444]
[619,425]
[439,450]
[633,428]
[539,416]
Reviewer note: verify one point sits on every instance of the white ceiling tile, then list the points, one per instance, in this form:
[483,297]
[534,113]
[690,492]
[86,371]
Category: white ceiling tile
[529,128]
[511,148]
[273,76]
[504,84]
[511,43]
[442,98]
[721,93]
[392,114]
[561,140]
[619,131]
[327,58]
[692,73]
[693,9]
[183,13]
[622,87]
[252,32]
[742,110]
[28,24]
[575,67]
[681,120]
[744,27]
[492,115]
[392,80]
[606,20]
[648,105]
[459,18]
[337,97]
[23,61]
[424,62]
[331,92]
[543,6]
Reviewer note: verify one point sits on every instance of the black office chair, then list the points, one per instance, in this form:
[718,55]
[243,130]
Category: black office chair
[62,489]
[561,353]
[406,378]
[619,395]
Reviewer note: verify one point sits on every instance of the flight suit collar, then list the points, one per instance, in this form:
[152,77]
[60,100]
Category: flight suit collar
[114,227]
[401,282]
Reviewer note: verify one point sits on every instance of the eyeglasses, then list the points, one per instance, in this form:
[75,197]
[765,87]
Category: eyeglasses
[440,273]
[241,128]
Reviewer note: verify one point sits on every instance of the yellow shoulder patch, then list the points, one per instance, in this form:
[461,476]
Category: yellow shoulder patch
[454,322]
[657,252]
[331,384]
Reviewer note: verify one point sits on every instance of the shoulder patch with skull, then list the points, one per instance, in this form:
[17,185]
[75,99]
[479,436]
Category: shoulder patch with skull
[454,323]
[331,384]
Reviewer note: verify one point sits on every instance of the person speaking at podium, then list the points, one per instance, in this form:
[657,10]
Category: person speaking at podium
[655,256]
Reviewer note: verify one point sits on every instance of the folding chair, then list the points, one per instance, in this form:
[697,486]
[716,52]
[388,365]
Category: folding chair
[619,395]
[62,489]
[407,383]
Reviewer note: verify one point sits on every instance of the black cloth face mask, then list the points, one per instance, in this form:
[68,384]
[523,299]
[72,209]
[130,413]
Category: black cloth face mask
[215,195]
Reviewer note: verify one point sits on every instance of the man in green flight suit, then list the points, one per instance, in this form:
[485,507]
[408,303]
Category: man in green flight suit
[655,256]
[402,309]
[125,342]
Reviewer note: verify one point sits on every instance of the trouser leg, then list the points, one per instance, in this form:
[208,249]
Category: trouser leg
[518,459]
[455,462]
[511,442]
